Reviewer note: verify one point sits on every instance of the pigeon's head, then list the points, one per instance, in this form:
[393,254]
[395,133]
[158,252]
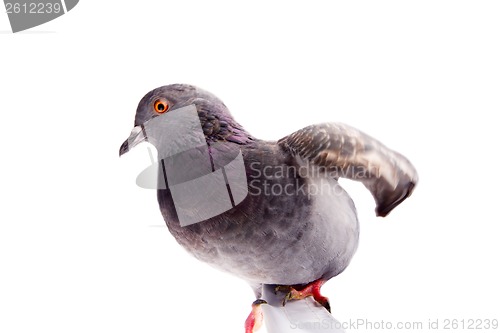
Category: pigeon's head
[169,109]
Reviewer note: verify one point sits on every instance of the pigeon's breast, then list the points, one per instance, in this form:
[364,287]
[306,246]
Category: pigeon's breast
[290,229]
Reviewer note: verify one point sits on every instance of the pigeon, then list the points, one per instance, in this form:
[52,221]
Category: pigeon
[290,226]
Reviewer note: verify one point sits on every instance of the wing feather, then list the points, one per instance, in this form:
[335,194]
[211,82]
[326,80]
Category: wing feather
[343,151]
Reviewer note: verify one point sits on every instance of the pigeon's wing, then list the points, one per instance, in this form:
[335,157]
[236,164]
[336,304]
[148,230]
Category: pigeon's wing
[343,151]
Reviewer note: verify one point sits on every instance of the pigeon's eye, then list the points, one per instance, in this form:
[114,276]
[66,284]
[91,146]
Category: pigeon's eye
[161,105]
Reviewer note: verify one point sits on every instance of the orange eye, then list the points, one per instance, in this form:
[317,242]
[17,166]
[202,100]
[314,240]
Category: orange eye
[161,105]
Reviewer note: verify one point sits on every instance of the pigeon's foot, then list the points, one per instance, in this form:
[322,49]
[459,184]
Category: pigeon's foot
[255,318]
[312,289]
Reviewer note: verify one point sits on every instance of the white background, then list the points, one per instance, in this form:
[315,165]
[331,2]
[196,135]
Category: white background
[83,249]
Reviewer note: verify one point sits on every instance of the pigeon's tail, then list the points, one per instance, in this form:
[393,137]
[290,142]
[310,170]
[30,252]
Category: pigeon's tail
[297,316]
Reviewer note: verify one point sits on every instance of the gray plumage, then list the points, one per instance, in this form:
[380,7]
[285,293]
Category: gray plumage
[290,238]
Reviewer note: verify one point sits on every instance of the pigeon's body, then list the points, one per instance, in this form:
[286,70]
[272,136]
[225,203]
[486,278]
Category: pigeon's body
[272,237]
[296,227]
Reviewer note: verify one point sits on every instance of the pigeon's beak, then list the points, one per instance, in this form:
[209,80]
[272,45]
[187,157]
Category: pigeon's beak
[137,136]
